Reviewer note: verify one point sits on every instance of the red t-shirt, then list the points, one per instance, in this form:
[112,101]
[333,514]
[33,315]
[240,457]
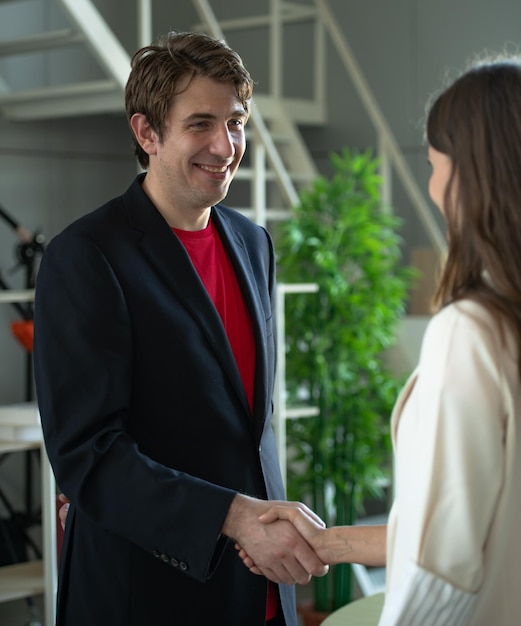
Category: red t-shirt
[209,257]
[215,269]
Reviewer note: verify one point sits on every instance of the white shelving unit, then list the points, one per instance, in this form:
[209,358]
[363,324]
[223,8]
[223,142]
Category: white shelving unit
[282,413]
[33,577]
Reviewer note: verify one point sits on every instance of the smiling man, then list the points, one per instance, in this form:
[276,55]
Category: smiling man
[197,154]
[155,363]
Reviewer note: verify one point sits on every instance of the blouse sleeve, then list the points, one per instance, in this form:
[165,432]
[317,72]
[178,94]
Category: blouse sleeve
[426,599]
[449,467]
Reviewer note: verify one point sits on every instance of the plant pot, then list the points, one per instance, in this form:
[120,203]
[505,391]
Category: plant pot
[309,616]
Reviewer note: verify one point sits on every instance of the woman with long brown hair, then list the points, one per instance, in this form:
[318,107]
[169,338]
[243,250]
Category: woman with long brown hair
[452,544]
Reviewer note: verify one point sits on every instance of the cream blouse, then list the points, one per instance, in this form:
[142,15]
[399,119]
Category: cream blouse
[453,544]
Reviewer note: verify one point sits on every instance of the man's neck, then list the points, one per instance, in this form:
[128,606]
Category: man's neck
[189,219]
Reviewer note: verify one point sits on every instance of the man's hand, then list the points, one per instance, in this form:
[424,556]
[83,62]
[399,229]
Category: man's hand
[277,549]
[309,525]
[62,513]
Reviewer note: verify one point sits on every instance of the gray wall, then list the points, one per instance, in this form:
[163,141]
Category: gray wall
[53,171]
[408,49]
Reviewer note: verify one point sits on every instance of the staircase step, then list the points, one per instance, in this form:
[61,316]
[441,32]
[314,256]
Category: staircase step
[102,96]
[41,41]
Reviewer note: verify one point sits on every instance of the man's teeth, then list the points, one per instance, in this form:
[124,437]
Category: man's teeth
[215,170]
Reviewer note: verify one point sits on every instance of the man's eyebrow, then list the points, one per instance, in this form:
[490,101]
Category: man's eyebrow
[239,112]
[199,116]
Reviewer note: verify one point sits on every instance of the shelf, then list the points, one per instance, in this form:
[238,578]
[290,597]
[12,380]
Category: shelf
[21,429]
[34,577]
[12,295]
[21,580]
[20,423]
[18,446]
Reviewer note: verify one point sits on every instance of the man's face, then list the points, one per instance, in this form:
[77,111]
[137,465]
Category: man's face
[202,146]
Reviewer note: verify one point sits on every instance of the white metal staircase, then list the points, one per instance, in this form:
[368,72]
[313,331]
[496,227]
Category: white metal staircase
[277,152]
[278,155]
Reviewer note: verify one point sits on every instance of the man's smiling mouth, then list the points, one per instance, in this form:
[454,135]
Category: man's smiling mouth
[214,169]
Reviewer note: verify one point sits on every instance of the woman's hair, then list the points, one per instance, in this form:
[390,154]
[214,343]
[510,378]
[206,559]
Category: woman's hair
[158,72]
[477,123]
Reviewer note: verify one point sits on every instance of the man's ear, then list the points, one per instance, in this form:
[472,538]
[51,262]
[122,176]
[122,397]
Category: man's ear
[146,137]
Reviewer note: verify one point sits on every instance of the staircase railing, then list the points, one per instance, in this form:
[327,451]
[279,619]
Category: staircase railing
[102,41]
[388,146]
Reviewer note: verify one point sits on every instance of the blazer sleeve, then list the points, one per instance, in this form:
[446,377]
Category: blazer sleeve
[83,367]
[449,465]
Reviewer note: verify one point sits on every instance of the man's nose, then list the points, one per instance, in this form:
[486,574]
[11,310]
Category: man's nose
[222,143]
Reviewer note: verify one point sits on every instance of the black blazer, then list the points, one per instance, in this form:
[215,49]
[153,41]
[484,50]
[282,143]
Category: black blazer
[146,421]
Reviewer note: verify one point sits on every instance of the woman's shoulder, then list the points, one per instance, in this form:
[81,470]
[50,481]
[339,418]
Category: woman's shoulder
[459,326]
[467,314]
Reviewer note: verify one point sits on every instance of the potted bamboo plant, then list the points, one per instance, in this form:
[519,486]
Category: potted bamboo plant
[341,239]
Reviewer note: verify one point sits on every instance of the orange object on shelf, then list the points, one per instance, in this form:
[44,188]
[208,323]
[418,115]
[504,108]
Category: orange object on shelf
[24,332]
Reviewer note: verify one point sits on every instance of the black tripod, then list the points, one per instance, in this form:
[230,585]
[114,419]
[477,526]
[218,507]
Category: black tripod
[28,251]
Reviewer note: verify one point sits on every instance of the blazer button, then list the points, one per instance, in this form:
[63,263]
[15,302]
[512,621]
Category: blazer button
[156,553]
[165,558]
[174,562]
[183,566]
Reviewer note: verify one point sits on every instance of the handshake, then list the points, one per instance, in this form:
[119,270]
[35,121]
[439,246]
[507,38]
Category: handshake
[288,543]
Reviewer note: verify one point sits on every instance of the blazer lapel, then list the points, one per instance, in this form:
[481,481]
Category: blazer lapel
[403,396]
[170,259]
[238,252]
